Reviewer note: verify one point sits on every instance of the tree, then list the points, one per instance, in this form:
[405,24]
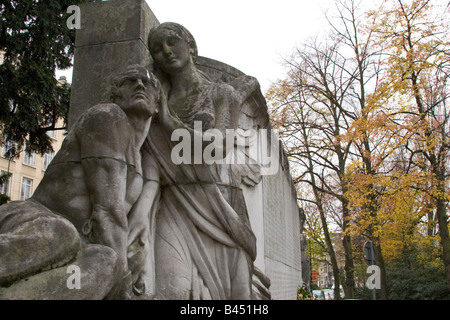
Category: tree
[331,81]
[310,121]
[365,119]
[34,41]
[350,139]
[415,34]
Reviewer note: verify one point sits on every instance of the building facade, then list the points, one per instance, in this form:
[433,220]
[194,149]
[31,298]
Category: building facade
[27,170]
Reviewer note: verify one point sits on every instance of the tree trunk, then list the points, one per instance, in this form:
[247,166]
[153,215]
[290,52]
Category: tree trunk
[441,213]
[379,261]
[349,282]
[330,249]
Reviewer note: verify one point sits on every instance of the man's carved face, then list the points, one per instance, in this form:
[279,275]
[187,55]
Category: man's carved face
[169,51]
[136,92]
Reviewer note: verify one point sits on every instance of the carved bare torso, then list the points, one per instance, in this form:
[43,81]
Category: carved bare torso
[64,188]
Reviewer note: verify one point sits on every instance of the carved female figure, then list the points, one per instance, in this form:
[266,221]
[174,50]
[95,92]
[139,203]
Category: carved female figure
[204,245]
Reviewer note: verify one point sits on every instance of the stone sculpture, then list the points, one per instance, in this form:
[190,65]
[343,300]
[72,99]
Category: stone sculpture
[117,31]
[204,245]
[86,211]
[139,220]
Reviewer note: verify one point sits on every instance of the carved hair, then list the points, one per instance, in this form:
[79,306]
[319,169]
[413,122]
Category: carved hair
[181,31]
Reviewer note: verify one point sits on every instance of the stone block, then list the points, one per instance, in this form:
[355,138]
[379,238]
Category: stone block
[91,74]
[114,21]
[96,264]
[113,35]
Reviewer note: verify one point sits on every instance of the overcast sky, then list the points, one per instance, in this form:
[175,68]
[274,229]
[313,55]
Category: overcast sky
[250,35]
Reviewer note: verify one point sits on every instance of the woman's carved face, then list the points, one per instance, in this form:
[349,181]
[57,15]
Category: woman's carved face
[169,51]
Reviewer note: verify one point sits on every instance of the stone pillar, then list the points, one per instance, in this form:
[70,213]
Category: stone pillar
[113,35]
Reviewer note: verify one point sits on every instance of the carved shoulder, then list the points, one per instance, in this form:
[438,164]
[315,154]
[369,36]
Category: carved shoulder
[102,114]
[103,131]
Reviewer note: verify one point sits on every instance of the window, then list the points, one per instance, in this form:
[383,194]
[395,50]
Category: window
[8,147]
[27,187]
[28,159]
[5,185]
[48,157]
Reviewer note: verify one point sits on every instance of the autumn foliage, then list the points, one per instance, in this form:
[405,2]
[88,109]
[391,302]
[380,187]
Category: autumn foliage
[364,115]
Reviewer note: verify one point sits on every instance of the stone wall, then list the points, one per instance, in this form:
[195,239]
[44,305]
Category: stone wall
[282,234]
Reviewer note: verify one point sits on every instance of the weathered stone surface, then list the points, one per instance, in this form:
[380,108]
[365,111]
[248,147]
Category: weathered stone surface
[32,238]
[204,246]
[96,278]
[90,193]
[271,204]
[282,235]
[114,22]
[254,112]
[113,35]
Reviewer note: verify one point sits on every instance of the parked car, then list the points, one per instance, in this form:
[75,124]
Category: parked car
[319,294]
[323,294]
